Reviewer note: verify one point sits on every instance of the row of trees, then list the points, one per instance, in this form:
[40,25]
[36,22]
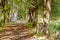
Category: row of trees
[46,17]
[8,7]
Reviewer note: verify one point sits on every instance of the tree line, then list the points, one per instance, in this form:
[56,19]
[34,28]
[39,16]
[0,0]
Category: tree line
[8,6]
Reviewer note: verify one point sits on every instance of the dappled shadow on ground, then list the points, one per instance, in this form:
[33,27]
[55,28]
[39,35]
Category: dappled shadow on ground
[18,32]
[15,32]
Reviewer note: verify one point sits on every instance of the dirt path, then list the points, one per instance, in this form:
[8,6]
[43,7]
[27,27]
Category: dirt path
[15,33]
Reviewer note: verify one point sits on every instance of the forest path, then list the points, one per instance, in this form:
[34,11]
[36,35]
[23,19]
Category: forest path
[15,32]
[18,32]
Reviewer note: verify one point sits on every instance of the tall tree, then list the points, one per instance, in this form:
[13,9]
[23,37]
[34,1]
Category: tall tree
[33,14]
[46,17]
[5,11]
[3,5]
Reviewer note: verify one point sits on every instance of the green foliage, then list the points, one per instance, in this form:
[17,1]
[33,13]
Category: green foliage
[55,15]
[54,25]
[22,6]
[28,25]
[55,12]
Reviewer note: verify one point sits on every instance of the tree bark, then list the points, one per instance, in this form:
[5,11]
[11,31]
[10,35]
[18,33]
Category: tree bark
[33,14]
[3,4]
[5,14]
[46,17]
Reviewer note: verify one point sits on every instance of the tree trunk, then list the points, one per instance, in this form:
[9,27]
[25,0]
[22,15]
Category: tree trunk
[46,17]
[33,14]
[5,14]
[3,4]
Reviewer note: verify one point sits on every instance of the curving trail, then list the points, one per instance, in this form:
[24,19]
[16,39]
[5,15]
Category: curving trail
[19,32]
[15,32]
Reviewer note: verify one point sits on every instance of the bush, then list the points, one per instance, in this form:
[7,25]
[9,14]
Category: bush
[54,25]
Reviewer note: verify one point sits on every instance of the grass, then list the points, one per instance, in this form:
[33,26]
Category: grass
[54,25]
[2,28]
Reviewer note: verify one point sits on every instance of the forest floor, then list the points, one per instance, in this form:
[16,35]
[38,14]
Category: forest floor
[16,32]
